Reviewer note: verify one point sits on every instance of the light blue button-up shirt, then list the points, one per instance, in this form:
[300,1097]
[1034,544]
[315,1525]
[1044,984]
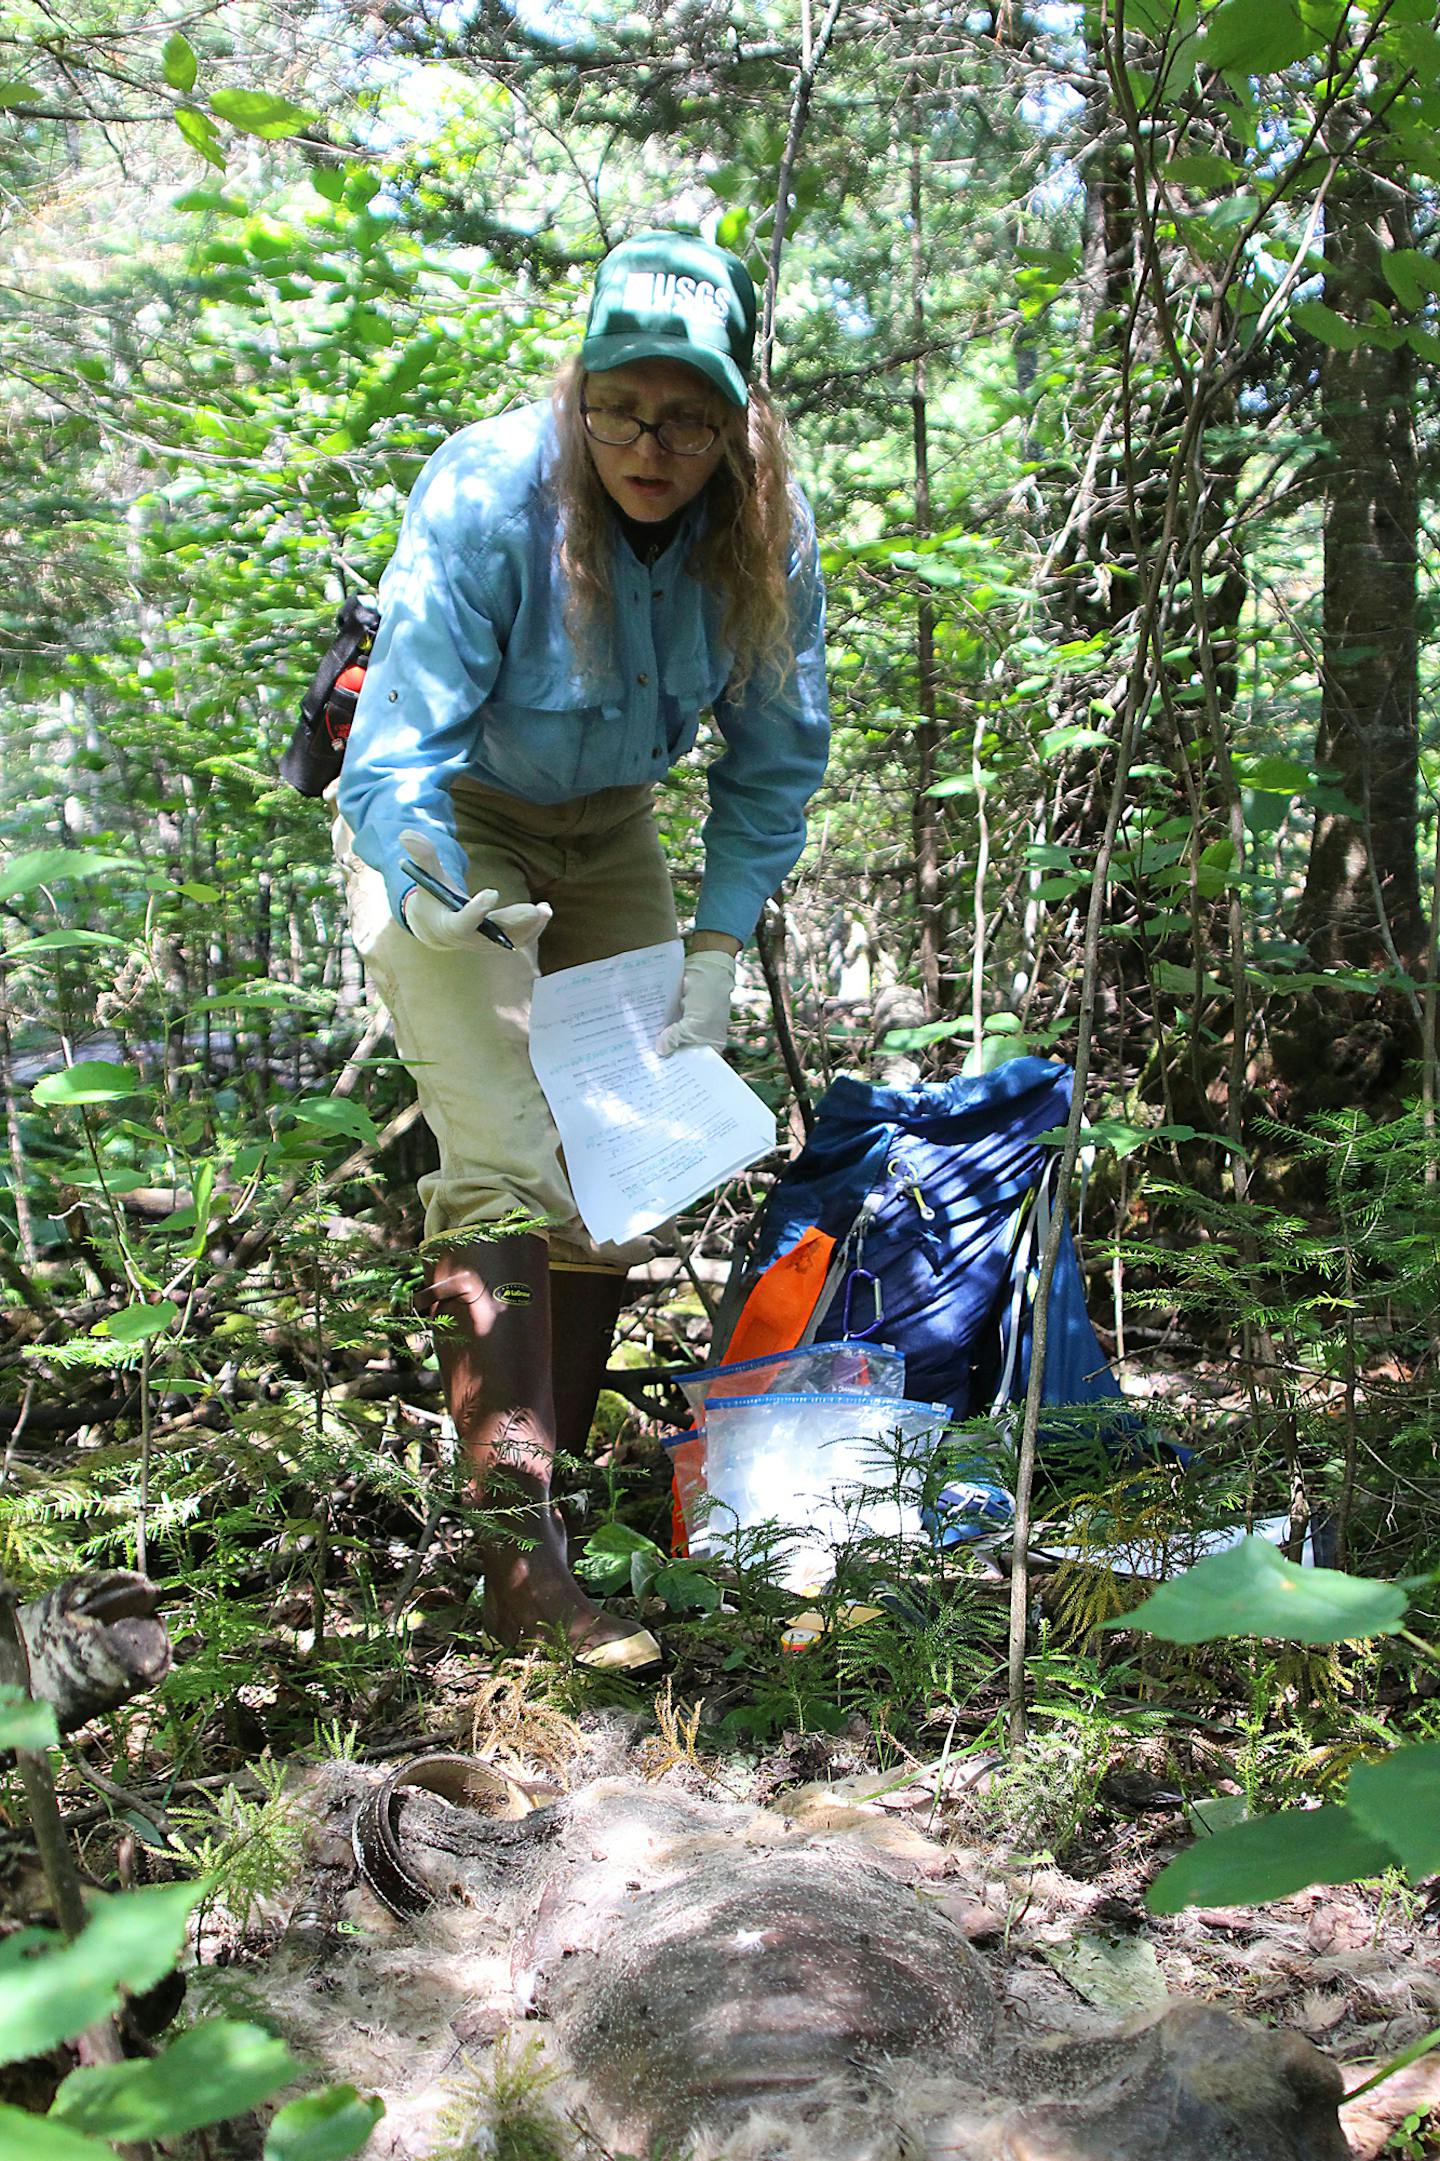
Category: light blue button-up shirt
[474,674]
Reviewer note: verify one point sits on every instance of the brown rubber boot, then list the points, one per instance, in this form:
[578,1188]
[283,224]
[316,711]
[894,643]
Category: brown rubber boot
[584,1308]
[493,1295]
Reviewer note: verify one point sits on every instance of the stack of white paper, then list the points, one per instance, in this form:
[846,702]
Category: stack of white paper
[643,1135]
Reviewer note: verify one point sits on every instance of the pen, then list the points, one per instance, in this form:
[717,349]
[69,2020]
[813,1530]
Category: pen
[455,901]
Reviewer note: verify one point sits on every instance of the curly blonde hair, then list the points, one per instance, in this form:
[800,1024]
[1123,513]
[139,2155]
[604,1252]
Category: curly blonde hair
[743,553]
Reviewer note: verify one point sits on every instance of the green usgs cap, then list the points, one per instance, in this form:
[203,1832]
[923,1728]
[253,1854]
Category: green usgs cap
[674,296]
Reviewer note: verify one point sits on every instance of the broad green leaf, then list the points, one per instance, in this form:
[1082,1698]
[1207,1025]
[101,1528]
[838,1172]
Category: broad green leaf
[610,1553]
[1199,169]
[1323,323]
[326,2126]
[258,112]
[109,1178]
[1254,1591]
[644,1568]
[130,1940]
[732,230]
[1256,37]
[1055,742]
[93,1080]
[220,2068]
[1116,1134]
[194,889]
[329,181]
[24,2137]
[200,1209]
[199,131]
[337,1115]
[136,1324]
[25,1723]
[1272,775]
[1217,1812]
[47,866]
[686,1588]
[1398,1800]
[14,92]
[177,57]
[1269,1858]
[61,941]
[1168,975]
[1410,275]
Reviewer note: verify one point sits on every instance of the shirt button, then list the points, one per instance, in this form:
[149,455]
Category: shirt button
[642,678]
[393,696]
[657,594]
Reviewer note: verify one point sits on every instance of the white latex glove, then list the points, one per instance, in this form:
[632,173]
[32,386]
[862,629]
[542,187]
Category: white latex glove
[447,930]
[704,1004]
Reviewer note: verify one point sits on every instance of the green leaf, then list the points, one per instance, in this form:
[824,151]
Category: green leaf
[257,112]
[337,1115]
[194,889]
[93,1080]
[14,92]
[610,1552]
[686,1588]
[1398,1800]
[177,57]
[329,181]
[23,1722]
[1270,1858]
[200,1209]
[1168,975]
[1056,741]
[199,131]
[1410,275]
[24,2137]
[326,2126]
[1256,37]
[1323,323]
[136,1324]
[61,941]
[110,1178]
[1200,169]
[732,230]
[1122,1138]
[1254,1591]
[1217,1812]
[220,2068]
[130,1939]
[47,866]
[1272,775]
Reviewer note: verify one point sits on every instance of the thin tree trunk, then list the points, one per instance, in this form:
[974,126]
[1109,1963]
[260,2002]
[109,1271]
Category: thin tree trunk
[925,811]
[1369,693]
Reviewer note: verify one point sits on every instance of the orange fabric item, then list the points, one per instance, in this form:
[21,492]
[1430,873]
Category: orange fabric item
[774,1315]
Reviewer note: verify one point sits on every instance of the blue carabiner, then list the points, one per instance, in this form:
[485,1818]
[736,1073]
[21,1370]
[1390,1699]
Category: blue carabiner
[863,1275]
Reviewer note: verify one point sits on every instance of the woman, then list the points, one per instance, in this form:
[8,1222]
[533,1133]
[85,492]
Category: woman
[574,584]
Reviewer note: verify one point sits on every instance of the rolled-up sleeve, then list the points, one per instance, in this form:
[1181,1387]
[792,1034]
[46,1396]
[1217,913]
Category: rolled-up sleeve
[434,662]
[777,740]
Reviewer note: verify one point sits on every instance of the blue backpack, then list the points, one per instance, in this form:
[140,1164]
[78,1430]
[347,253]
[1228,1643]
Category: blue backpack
[938,1196]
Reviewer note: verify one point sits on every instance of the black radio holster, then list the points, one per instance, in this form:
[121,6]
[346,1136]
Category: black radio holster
[317,747]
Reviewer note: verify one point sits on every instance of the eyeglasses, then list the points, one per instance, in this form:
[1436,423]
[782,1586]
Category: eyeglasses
[682,438]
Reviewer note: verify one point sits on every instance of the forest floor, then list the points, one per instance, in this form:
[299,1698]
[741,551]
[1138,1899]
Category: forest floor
[892,1726]
[1071,1949]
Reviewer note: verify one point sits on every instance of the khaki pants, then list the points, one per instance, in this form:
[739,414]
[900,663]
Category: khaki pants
[462,1019]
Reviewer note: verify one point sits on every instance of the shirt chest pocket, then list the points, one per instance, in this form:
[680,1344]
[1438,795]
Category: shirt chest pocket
[693,675]
[538,725]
